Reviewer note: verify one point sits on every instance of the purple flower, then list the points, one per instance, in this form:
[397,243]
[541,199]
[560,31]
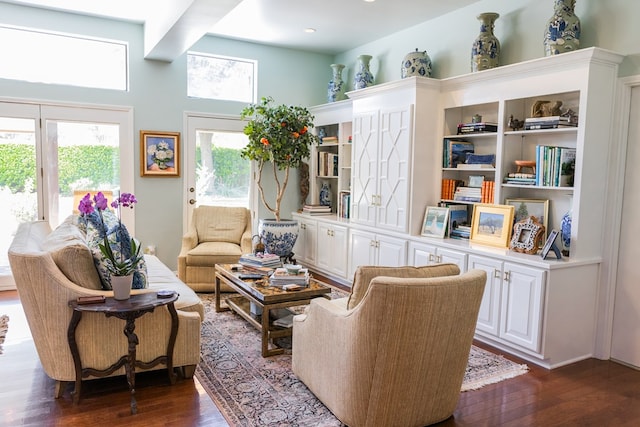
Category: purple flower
[86,205]
[101,201]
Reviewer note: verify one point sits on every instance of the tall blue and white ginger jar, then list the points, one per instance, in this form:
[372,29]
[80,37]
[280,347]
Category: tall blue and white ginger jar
[565,229]
[325,194]
[335,90]
[363,77]
[562,33]
[485,52]
[416,64]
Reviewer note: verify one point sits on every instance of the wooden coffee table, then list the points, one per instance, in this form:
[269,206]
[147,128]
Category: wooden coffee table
[266,297]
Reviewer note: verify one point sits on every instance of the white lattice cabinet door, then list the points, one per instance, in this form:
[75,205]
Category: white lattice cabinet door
[365,168]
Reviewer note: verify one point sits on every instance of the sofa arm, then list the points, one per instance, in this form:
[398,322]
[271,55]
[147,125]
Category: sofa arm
[246,244]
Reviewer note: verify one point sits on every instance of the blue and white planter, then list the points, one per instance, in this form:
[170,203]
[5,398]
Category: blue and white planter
[278,237]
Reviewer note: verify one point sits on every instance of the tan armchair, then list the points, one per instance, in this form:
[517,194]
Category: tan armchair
[398,357]
[216,235]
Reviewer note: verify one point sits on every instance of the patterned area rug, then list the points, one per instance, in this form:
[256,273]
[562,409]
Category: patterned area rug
[251,390]
[4,327]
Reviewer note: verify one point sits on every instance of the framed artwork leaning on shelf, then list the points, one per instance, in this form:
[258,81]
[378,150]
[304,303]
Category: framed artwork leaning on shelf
[492,224]
[524,208]
[435,221]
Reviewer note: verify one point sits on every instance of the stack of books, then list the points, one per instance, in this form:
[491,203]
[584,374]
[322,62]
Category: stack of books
[549,122]
[316,210]
[555,166]
[329,140]
[465,128]
[260,260]
[468,194]
[462,232]
[520,178]
[282,277]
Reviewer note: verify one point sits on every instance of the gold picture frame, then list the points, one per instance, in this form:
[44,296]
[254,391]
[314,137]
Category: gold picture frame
[159,153]
[492,224]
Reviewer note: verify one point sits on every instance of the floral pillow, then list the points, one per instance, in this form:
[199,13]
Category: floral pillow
[95,236]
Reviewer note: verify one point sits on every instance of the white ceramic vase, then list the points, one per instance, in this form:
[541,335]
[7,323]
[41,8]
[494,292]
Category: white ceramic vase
[121,286]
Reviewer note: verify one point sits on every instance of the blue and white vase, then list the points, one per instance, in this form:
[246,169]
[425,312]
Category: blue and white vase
[325,194]
[565,230]
[363,77]
[485,52]
[562,33]
[416,64]
[278,237]
[335,90]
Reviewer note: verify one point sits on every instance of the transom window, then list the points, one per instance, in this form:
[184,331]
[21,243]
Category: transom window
[221,77]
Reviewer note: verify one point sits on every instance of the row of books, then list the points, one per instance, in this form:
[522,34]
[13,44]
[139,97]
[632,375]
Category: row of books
[344,205]
[458,226]
[260,260]
[555,166]
[486,191]
[327,164]
[549,122]
[448,188]
[465,128]
[316,210]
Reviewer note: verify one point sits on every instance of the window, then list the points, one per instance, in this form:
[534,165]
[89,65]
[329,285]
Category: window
[43,57]
[223,78]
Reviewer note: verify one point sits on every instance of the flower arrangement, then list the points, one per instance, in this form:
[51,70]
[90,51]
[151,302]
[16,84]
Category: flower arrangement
[280,135]
[128,257]
[161,154]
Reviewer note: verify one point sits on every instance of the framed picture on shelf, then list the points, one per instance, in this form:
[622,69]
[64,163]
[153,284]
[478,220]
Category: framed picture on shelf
[159,153]
[527,236]
[525,208]
[492,224]
[435,221]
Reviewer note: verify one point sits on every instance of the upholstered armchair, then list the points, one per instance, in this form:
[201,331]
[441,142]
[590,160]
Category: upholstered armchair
[396,356]
[216,235]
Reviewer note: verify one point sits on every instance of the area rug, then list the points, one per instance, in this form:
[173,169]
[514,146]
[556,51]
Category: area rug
[4,327]
[251,390]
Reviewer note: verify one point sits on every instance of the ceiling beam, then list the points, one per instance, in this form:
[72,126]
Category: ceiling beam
[176,27]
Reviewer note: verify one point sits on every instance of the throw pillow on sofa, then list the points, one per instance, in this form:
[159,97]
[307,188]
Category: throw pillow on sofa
[95,236]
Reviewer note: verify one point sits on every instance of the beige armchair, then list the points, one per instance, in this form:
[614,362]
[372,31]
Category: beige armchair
[398,357]
[216,235]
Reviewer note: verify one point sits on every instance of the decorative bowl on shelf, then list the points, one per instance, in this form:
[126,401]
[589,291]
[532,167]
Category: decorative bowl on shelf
[293,268]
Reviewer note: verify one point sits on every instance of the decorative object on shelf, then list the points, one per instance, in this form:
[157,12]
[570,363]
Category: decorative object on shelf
[538,209]
[515,124]
[551,245]
[476,118]
[527,236]
[525,164]
[363,77]
[492,224]
[562,33]
[325,194]
[121,286]
[278,135]
[435,221]
[544,108]
[416,64]
[485,52]
[278,236]
[115,253]
[565,229]
[159,153]
[335,90]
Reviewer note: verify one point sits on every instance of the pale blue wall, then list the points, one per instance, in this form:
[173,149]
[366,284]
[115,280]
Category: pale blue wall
[158,97]
[158,90]
[608,24]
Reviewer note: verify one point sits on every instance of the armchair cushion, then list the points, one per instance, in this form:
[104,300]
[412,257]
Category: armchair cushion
[201,254]
[220,224]
[72,255]
[364,275]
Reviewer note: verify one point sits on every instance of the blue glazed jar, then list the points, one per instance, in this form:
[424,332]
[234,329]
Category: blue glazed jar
[416,64]
[325,194]
[335,90]
[363,77]
[565,233]
[562,33]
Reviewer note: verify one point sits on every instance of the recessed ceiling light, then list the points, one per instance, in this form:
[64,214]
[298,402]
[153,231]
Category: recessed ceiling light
[309,30]
[369,1]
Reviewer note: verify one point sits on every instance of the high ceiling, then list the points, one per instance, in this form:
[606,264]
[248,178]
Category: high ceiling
[173,26]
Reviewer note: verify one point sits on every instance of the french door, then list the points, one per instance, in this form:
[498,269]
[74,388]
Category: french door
[51,155]
[215,172]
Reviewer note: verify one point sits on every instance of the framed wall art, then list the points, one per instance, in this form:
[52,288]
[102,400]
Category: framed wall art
[435,222]
[159,153]
[491,224]
[525,208]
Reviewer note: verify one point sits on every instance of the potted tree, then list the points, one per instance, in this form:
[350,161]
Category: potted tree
[279,135]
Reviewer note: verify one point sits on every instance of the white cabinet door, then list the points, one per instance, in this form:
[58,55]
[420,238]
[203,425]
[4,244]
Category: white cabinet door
[425,254]
[391,252]
[453,257]
[394,149]
[305,249]
[522,298]
[332,248]
[363,250]
[489,315]
[365,168]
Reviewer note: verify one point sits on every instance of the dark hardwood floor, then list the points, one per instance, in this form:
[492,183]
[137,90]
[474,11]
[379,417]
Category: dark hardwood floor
[588,393]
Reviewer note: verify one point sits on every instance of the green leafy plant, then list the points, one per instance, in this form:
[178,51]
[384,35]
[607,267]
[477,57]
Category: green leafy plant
[278,134]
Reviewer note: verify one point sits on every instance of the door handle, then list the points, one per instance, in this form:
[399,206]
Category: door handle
[192,202]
